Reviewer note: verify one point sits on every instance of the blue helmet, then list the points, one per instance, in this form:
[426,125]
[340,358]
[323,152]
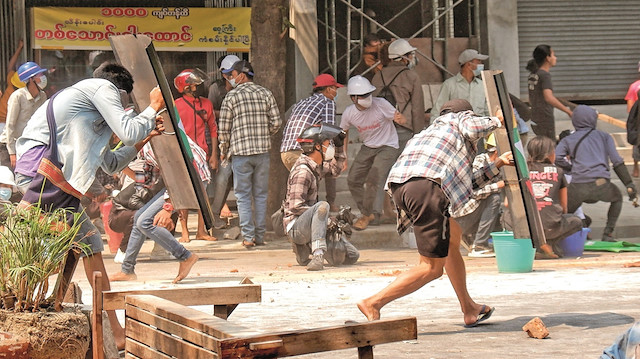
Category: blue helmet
[28,70]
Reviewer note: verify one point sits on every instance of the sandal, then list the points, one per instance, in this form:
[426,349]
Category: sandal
[248,244]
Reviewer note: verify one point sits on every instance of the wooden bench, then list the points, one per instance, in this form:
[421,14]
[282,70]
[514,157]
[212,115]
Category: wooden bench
[157,328]
[223,298]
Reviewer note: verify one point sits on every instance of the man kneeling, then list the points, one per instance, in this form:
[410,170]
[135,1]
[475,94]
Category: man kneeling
[305,218]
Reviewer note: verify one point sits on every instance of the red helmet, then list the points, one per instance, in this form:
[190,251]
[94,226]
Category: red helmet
[188,77]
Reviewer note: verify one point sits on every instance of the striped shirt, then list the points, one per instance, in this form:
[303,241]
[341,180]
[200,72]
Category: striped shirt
[314,109]
[444,152]
[249,115]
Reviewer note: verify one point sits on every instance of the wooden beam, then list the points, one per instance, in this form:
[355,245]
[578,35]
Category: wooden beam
[96,318]
[601,116]
[224,295]
[137,350]
[365,352]
[169,344]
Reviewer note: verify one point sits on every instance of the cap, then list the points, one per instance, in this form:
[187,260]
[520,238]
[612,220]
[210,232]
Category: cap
[470,55]
[6,176]
[243,66]
[227,63]
[324,80]
[456,105]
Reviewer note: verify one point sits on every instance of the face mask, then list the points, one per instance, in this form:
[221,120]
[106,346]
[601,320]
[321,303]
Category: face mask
[478,70]
[5,193]
[365,102]
[330,153]
[43,82]
[413,62]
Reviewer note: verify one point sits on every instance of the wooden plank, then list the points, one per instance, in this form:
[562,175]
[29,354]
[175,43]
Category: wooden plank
[601,116]
[135,349]
[166,343]
[189,334]
[234,294]
[97,344]
[365,352]
[192,318]
[323,339]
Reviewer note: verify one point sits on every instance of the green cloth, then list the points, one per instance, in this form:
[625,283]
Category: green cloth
[619,246]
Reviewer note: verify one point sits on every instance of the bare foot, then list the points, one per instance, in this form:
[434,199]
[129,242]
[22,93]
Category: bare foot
[205,237]
[632,264]
[122,277]
[184,238]
[225,212]
[368,310]
[185,267]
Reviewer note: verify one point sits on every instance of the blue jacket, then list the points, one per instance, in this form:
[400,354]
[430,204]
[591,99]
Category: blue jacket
[594,153]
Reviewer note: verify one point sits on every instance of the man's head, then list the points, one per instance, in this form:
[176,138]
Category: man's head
[240,72]
[117,74]
[401,50]
[316,141]
[470,60]
[455,105]
[327,85]
[187,81]
[372,40]
[31,73]
[360,90]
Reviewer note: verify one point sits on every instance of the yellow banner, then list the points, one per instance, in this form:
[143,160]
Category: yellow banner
[171,29]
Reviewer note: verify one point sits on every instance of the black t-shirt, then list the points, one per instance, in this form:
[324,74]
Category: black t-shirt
[541,111]
[546,180]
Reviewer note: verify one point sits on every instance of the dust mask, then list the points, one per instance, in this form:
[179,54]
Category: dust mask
[478,70]
[5,193]
[43,82]
[330,152]
[365,102]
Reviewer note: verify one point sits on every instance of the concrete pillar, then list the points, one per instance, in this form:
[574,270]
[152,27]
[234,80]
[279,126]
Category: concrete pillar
[501,39]
[302,50]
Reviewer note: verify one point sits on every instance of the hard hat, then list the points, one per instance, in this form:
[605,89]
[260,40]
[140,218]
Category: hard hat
[186,78]
[400,47]
[317,134]
[359,85]
[15,81]
[490,142]
[227,63]
[28,70]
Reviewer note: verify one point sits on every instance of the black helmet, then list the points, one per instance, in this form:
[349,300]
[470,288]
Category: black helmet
[317,134]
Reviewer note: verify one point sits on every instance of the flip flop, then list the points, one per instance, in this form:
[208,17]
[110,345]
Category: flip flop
[248,244]
[482,316]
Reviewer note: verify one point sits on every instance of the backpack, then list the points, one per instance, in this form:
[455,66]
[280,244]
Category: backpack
[385,91]
[633,124]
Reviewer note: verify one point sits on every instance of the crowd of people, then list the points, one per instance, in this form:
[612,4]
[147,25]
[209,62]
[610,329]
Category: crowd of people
[435,171]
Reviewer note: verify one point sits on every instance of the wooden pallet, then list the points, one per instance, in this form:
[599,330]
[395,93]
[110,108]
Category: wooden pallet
[159,328]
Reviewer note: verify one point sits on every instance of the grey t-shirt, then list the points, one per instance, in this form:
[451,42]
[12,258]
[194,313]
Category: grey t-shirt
[541,111]
[375,124]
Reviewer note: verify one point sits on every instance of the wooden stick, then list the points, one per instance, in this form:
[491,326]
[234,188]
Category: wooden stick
[96,318]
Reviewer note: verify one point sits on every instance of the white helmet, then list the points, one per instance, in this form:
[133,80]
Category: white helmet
[227,62]
[359,85]
[399,47]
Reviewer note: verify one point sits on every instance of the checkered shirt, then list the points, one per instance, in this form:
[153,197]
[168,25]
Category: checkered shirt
[481,193]
[308,111]
[249,115]
[444,152]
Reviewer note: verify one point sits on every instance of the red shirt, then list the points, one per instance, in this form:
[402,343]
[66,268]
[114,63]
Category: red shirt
[195,114]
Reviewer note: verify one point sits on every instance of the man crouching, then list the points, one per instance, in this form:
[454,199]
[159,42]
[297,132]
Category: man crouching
[305,218]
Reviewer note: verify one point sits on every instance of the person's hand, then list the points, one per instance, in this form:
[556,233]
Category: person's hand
[399,118]
[156,99]
[500,184]
[213,163]
[506,159]
[632,192]
[101,197]
[13,161]
[159,129]
[499,114]
[163,219]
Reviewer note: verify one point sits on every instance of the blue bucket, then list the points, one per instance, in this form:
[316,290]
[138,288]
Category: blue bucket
[573,245]
[514,255]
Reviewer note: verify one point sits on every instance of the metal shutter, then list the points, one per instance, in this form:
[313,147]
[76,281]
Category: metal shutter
[597,44]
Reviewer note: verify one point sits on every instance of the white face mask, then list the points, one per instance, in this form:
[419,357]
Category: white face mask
[330,152]
[365,102]
[478,70]
[413,62]
[43,82]
[5,193]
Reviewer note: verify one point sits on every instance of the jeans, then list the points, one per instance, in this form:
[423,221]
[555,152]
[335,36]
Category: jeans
[143,227]
[379,159]
[221,187]
[251,186]
[311,227]
[600,190]
[489,218]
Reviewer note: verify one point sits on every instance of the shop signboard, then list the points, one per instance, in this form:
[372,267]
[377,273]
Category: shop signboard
[170,28]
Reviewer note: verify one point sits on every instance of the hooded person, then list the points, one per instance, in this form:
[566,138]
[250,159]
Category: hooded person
[586,154]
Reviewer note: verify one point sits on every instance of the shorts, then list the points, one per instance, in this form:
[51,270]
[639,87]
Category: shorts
[427,206]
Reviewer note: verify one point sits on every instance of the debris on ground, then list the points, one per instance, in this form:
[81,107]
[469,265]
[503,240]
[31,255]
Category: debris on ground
[536,329]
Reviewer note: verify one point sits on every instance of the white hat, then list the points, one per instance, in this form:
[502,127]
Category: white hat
[470,55]
[6,176]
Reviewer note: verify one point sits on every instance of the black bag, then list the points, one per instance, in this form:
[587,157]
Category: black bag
[633,124]
[277,222]
[385,91]
[134,196]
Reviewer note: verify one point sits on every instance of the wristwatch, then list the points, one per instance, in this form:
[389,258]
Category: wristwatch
[167,206]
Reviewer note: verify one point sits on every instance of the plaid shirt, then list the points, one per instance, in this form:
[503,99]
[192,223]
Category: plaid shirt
[248,117]
[308,111]
[444,152]
[302,186]
[479,194]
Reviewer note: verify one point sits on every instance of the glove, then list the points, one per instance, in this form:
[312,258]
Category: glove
[623,174]
[631,190]
[339,139]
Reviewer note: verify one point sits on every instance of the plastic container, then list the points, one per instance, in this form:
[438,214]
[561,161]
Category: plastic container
[573,245]
[113,238]
[514,255]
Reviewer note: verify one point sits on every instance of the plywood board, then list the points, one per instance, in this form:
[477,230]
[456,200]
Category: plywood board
[525,216]
[171,149]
